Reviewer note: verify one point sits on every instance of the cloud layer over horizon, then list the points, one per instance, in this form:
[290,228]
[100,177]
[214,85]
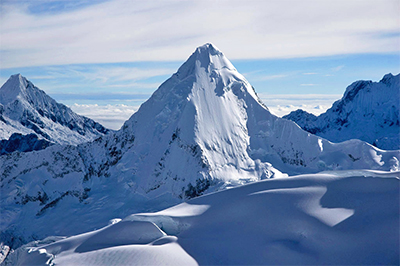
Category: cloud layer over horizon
[114,115]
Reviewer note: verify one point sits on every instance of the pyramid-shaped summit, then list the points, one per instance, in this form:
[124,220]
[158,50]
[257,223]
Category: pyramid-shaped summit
[14,87]
[206,126]
[18,88]
[194,128]
[206,56]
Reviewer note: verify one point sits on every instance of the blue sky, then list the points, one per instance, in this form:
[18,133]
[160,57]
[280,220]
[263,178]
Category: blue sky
[91,54]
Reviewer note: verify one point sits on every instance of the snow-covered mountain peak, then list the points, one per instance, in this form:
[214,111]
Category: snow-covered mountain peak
[391,80]
[387,83]
[368,111]
[26,109]
[15,86]
[354,89]
[207,57]
[206,70]
[28,96]
[193,129]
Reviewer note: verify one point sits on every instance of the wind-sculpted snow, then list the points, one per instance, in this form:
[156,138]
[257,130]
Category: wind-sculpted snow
[335,218]
[368,111]
[203,130]
[25,109]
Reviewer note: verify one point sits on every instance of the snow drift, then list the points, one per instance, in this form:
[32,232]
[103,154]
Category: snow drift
[340,218]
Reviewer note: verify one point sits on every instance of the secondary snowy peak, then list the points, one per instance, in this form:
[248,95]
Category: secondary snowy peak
[26,109]
[390,80]
[14,87]
[368,111]
[387,87]
[19,90]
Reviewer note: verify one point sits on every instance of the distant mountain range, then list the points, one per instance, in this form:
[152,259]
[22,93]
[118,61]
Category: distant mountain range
[25,109]
[203,130]
[368,111]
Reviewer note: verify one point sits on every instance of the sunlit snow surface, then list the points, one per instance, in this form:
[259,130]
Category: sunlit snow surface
[343,217]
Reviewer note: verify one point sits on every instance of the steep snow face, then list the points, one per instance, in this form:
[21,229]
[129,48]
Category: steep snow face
[203,130]
[368,111]
[304,119]
[194,129]
[335,218]
[26,109]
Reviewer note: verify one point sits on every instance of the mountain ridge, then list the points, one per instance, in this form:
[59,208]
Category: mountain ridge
[23,143]
[26,109]
[368,111]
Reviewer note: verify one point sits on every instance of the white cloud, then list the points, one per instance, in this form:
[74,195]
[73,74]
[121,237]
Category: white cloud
[308,84]
[338,68]
[283,104]
[124,31]
[110,116]
[114,115]
[263,77]
[105,74]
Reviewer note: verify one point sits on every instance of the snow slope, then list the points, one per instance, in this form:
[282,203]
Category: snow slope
[368,111]
[203,130]
[23,143]
[25,109]
[339,218]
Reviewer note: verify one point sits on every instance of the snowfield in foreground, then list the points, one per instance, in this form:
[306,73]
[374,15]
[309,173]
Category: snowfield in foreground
[339,217]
